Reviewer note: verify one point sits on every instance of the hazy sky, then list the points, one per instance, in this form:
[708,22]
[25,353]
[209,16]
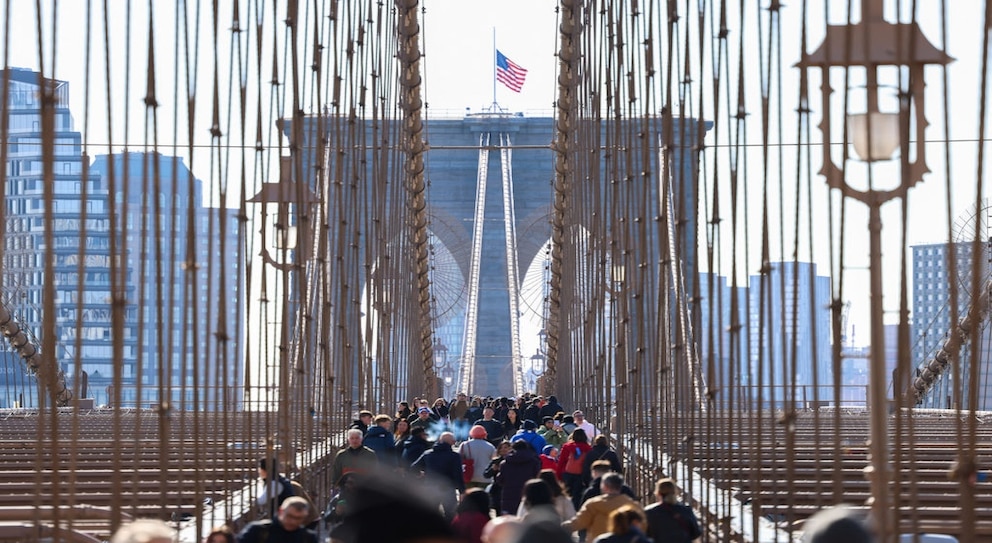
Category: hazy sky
[458,40]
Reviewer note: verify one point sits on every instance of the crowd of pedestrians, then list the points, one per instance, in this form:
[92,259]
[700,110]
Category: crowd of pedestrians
[478,460]
[472,470]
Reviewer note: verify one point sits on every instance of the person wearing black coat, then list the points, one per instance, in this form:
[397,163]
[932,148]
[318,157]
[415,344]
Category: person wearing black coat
[443,468]
[495,489]
[474,411]
[533,411]
[521,465]
[551,408]
[287,525]
[672,521]
[511,423]
[414,447]
[601,450]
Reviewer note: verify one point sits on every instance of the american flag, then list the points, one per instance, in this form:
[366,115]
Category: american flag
[509,73]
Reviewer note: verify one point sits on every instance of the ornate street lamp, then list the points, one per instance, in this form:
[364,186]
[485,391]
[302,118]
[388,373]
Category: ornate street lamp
[539,363]
[874,47]
[441,368]
[293,240]
[290,231]
[448,375]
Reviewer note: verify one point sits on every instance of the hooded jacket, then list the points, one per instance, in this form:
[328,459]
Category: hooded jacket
[530,436]
[381,442]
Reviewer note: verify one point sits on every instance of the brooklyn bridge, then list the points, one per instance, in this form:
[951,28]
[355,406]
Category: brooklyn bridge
[748,243]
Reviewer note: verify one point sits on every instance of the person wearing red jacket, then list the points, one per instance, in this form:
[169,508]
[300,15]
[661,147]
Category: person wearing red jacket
[570,463]
[549,458]
[472,515]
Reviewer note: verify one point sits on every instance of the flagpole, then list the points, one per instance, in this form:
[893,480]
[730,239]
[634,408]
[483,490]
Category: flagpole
[494,69]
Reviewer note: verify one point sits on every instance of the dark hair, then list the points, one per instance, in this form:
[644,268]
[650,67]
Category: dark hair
[224,530]
[602,441]
[537,492]
[417,430]
[601,465]
[520,445]
[579,436]
[557,488]
[264,463]
[474,499]
[664,486]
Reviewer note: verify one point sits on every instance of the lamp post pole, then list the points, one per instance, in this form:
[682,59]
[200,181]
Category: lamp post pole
[900,51]
[879,475]
[294,203]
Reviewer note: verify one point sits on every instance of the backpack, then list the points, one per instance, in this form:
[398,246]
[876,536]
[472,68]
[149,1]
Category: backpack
[574,463]
[286,492]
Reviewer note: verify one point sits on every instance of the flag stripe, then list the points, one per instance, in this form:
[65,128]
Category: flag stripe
[509,73]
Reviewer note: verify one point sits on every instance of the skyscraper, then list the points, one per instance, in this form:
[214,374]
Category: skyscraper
[932,322]
[172,290]
[789,328]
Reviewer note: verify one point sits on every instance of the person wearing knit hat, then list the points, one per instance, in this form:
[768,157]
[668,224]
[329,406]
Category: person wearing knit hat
[549,458]
[476,454]
[424,419]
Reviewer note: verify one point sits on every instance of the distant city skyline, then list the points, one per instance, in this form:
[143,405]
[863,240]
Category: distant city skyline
[171,318]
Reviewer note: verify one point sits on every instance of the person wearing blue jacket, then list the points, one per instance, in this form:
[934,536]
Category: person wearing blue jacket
[528,433]
[379,438]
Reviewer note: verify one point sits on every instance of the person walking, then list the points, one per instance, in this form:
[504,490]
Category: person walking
[570,462]
[528,433]
[668,520]
[476,454]
[626,526]
[601,451]
[288,525]
[594,515]
[520,466]
[442,468]
[353,458]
